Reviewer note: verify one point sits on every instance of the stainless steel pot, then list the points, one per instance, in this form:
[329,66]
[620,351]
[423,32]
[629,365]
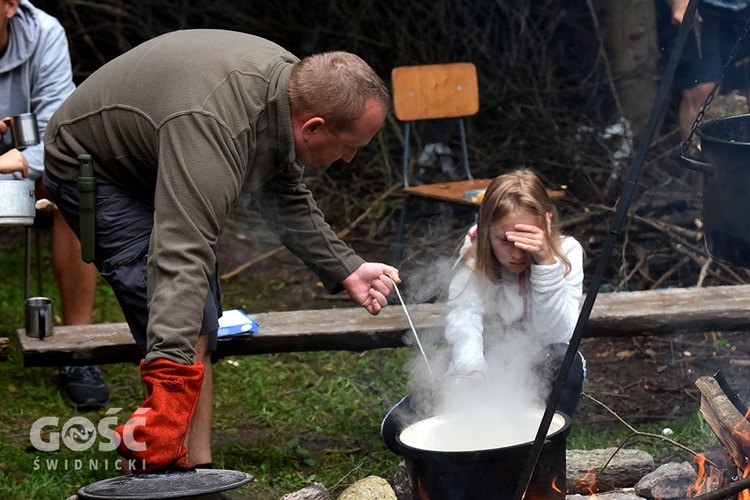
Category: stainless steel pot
[17,202]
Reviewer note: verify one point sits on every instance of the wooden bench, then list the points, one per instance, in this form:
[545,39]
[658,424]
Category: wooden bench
[674,310]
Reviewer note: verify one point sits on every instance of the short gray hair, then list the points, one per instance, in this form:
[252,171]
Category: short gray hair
[336,86]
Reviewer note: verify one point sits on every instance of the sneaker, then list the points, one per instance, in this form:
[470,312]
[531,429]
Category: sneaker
[84,386]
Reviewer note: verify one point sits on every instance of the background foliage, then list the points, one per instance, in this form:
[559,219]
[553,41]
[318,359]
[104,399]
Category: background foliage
[546,99]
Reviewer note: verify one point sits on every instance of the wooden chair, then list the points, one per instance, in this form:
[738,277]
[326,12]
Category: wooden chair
[432,92]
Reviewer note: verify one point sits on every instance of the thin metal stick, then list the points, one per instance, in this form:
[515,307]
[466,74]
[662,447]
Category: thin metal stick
[414,331]
[620,214]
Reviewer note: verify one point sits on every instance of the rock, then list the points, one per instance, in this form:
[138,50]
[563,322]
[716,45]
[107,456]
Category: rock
[369,488]
[401,484]
[313,491]
[669,482]
[626,468]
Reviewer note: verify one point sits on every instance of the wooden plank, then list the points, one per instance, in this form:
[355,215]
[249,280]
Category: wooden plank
[352,329]
[657,312]
[435,91]
[671,310]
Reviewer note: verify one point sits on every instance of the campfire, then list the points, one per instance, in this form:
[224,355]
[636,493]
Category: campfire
[720,474]
[727,416]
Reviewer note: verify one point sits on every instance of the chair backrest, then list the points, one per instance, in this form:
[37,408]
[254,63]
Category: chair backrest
[435,91]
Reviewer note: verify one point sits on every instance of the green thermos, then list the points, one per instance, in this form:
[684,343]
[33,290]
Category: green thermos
[87,207]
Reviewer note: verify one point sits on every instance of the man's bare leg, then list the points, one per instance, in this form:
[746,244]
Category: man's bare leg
[198,441]
[84,385]
[76,278]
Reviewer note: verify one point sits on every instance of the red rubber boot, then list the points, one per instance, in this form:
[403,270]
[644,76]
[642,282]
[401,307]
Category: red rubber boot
[154,436]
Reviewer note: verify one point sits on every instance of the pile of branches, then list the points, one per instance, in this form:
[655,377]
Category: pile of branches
[546,101]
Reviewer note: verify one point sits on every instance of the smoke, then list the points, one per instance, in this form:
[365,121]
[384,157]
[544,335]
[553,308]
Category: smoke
[504,410]
[519,373]
[516,383]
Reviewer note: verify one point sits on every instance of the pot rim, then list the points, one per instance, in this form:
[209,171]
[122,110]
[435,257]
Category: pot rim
[400,448]
[705,135]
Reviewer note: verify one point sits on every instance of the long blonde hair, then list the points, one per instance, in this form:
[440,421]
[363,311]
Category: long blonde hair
[519,191]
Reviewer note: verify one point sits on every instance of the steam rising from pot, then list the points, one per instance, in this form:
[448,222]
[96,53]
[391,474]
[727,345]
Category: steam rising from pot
[515,384]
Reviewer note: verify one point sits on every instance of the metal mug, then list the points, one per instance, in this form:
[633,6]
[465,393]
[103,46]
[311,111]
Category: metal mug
[39,319]
[23,130]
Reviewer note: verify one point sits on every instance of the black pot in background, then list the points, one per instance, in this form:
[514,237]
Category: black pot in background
[471,475]
[725,161]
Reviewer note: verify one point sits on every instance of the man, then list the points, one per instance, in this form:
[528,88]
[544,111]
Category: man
[178,129]
[720,23]
[36,76]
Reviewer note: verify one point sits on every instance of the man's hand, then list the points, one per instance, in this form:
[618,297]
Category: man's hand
[369,286]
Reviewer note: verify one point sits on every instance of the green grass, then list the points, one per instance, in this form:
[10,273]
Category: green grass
[693,433]
[288,419]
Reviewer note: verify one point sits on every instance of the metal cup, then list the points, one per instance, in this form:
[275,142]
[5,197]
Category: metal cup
[39,319]
[23,130]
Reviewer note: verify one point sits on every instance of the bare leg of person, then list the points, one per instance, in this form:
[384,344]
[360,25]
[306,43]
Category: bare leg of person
[692,101]
[83,385]
[198,441]
[76,278]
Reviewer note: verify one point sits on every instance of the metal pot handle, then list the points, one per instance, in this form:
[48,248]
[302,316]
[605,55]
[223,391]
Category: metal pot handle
[695,164]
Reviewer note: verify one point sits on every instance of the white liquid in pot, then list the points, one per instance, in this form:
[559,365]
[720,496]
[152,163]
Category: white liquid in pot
[478,431]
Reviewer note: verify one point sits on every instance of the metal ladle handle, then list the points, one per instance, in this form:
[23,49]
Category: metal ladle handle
[411,324]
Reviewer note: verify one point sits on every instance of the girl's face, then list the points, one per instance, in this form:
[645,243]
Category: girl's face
[507,254]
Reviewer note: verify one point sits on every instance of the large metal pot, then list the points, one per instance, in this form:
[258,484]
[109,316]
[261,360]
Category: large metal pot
[725,161]
[17,202]
[480,472]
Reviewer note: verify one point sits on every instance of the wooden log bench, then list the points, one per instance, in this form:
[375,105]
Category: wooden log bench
[657,312]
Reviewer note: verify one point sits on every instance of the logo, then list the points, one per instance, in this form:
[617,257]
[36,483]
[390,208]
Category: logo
[80,433]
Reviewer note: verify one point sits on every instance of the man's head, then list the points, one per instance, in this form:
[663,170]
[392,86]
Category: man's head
[338,104]
[8,9]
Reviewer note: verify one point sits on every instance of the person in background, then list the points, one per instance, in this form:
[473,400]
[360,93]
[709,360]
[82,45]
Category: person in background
[179,128]
[517,279]
[719,24]
[36,77]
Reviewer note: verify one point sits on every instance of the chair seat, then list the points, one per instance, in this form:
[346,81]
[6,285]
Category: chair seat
[453,192]
[459,191]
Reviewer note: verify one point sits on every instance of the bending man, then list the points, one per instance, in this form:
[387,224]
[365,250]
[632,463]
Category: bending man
[179,128]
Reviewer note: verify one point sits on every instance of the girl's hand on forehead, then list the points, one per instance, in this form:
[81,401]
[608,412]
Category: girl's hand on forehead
[532,239]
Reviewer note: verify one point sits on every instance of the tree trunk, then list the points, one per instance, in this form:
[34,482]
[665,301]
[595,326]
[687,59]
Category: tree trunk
[628,30]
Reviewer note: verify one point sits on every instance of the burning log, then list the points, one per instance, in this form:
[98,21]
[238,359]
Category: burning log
[727,416]
[725,419]
[727,491]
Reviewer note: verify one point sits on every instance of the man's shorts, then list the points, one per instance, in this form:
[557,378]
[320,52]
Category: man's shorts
[720,30]
[123,231]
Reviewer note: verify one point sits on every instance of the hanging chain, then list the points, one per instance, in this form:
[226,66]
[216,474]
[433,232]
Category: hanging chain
[732,54]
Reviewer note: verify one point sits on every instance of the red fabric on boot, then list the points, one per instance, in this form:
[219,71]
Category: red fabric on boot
[154,436]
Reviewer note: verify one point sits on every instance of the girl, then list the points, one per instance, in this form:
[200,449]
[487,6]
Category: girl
[518,283]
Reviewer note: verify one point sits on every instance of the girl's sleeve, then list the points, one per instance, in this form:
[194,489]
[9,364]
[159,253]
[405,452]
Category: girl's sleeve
[556,298]
[464,327]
